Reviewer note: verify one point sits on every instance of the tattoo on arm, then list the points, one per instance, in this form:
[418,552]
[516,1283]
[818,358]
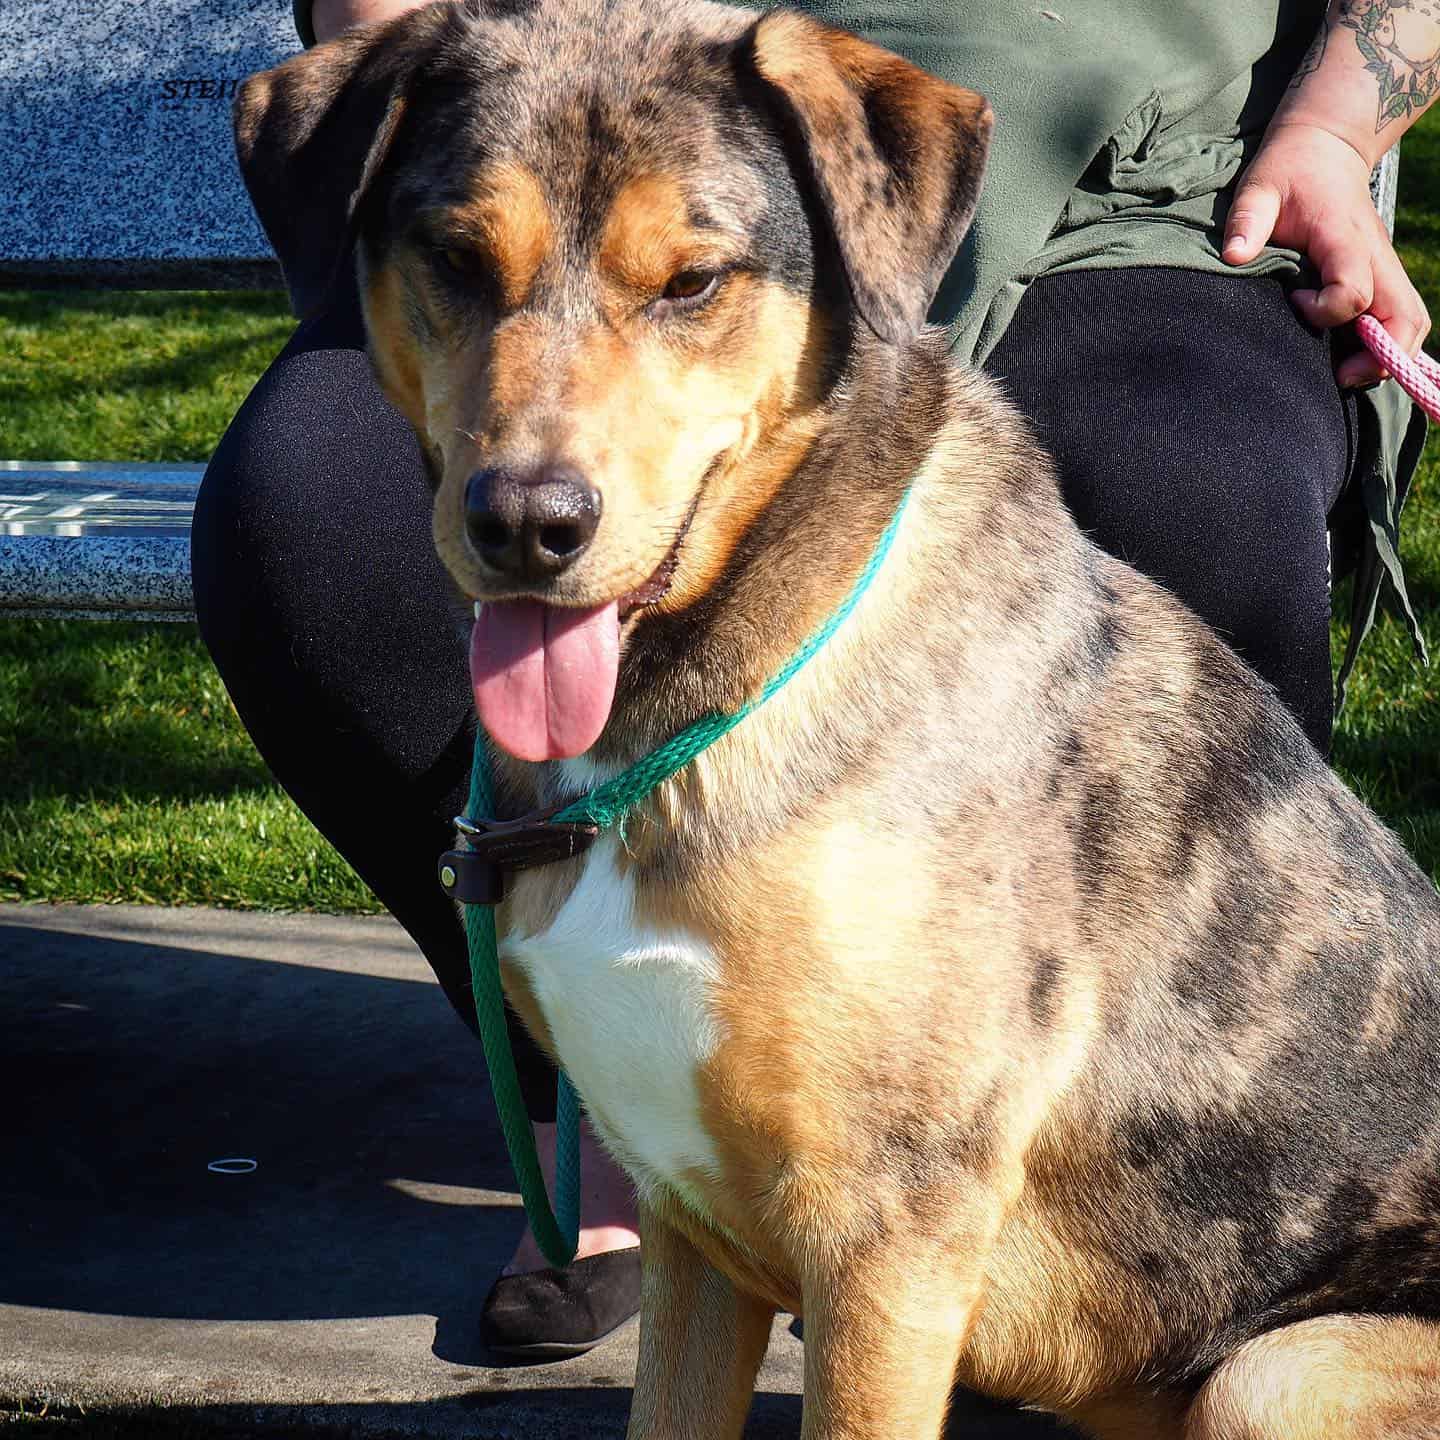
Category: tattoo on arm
[1314,55]
[1400,42]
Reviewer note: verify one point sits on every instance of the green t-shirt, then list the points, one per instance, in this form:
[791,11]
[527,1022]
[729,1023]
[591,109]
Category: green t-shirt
[1120,128]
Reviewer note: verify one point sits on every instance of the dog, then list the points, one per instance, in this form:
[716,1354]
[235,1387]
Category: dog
[1016,995]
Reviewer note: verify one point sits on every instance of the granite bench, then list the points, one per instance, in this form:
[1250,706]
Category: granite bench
[118,169]
[118,172]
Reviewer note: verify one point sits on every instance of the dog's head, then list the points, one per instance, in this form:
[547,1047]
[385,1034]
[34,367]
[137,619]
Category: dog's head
[613,258]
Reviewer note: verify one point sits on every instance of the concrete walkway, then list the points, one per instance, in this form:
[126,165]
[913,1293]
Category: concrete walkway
[334,1287]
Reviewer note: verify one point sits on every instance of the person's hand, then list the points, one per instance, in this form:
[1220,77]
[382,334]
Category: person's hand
[331,17]
[1309,190]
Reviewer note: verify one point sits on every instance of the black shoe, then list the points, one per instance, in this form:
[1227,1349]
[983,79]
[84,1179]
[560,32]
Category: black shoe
[554,1314]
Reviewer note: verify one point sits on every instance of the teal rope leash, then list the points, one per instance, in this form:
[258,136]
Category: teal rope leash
[555,1233]
[557,1230]
[609,803]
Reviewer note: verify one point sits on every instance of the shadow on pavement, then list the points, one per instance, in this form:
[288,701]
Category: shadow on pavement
[519,1414]
[590,1413]
[126,1068]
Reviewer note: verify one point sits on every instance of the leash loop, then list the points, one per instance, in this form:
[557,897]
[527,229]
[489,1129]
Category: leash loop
[1418,375]
[474,874]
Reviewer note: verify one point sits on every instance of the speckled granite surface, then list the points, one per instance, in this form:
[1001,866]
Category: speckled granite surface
[79,539]
[91,574]
[115,127]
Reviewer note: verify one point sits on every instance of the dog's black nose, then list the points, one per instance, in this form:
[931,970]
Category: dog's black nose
[531,528]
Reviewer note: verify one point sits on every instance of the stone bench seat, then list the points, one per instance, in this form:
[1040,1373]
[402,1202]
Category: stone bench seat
[118,171]
[96,540]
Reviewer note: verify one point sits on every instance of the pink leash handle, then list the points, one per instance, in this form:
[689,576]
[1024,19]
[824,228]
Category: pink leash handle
[1418,375]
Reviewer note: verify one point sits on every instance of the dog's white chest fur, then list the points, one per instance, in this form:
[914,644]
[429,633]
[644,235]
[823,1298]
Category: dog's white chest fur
[628,1008]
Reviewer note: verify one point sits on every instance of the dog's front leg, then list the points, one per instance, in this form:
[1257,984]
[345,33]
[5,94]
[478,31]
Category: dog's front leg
[883,1336]
[701,1343]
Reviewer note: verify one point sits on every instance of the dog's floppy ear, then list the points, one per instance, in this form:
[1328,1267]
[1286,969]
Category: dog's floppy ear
[311,135]
[896,155]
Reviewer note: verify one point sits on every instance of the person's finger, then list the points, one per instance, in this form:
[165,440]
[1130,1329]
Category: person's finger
[1361,368]
[1347,281]
[1398,307]
[1251,221]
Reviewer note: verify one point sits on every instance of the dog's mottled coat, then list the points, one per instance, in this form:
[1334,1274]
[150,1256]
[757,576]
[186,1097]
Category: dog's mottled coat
[1074,1028]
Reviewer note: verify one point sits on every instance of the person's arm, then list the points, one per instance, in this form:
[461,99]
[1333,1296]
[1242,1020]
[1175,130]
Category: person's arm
[331,17]
[1372,71]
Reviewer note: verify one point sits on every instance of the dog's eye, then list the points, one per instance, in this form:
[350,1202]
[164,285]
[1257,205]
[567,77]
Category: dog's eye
[458,260]
[690,287]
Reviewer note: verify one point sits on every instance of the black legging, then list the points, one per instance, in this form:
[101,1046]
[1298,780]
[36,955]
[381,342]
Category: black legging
[1196,421]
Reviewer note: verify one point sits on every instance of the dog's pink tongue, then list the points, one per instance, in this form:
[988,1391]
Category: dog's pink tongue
[544,677]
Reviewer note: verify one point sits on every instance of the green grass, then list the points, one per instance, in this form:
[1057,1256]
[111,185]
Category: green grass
[124,772]
[1387,744]
[128,777]
[129,376]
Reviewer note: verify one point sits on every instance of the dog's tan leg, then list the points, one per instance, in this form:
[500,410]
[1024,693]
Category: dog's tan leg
[701,1343]
[1340,1377]
[881,1345]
